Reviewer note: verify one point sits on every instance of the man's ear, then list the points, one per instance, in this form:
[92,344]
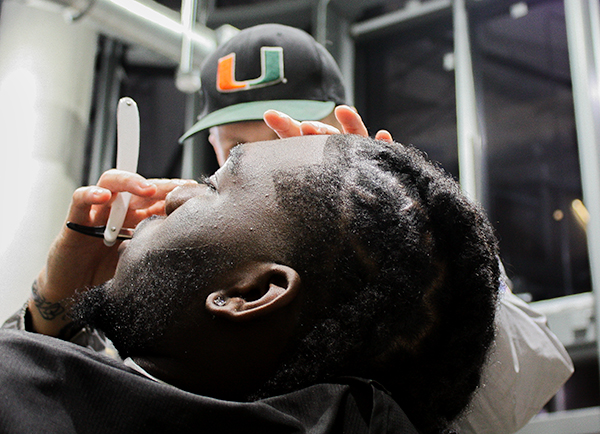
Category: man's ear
[258,290]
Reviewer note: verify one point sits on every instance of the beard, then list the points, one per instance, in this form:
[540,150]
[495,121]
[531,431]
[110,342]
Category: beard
[152,296]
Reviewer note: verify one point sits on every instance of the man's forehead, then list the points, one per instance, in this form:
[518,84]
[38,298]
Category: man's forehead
[278,154]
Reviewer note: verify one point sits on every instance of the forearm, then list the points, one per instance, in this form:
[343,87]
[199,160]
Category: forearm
[74,264]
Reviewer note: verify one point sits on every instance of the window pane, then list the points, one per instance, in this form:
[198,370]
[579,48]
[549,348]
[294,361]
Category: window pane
[405,83]
[534,178]
[404,86]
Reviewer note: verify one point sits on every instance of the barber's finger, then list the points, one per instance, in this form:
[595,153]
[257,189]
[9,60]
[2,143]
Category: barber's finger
[83,200]
[136,215]
[384,135]
[165,186]
[308,128]
[283,125]
[90,205]
[120,180]
[143,207]
[350,120]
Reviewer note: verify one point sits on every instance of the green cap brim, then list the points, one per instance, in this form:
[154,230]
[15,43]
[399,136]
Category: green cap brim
[301,110]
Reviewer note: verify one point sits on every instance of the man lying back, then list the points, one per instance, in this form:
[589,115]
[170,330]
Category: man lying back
[297,286]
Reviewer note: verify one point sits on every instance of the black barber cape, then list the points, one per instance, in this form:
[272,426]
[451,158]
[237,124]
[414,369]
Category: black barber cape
[52,386]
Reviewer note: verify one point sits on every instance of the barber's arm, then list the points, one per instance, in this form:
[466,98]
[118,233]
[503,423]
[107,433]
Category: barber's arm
[75,261]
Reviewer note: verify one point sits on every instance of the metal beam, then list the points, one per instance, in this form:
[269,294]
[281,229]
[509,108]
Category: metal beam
[418,12]
[296,13]
[411,15]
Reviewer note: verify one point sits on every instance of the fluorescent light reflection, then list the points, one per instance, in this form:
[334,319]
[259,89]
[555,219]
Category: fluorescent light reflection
[147,13]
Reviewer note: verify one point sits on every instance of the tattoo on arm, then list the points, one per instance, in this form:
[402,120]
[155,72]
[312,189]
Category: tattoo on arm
[48,310]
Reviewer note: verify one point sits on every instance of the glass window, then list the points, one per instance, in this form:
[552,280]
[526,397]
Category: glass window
[534,189]
[405,84]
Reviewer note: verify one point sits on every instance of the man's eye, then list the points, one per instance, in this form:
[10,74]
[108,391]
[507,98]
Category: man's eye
[208,182]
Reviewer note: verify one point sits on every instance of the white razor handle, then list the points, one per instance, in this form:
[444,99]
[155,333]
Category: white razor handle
[128,149]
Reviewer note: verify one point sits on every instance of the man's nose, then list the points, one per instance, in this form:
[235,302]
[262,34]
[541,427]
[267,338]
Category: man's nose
[181,195]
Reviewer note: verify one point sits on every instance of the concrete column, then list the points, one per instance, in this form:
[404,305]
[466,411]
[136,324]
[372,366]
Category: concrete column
[46,83]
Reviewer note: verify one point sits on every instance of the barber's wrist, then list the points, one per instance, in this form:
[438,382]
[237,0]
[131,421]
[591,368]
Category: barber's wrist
[47,316]
[47,309]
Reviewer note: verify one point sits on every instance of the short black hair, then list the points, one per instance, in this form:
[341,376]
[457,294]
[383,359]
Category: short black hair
[401,277]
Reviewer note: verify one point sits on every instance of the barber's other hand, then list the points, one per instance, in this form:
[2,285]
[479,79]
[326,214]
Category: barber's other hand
[76,261]
[350,121]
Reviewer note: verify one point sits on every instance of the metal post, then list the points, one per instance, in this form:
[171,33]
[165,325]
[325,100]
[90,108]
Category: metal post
[582,24]
[192,163]
[469,137]
[332,30]
[346,59]
[321,18]
[188,76]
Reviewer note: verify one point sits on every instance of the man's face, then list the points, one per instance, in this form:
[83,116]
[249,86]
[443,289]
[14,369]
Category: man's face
[174,262]
[224,138]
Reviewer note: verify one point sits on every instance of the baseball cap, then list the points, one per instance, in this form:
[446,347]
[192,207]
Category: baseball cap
[269,66]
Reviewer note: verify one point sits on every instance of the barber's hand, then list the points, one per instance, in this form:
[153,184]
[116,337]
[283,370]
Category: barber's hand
[350,121]
[76,261]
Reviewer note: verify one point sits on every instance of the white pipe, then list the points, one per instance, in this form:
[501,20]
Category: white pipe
[145,23]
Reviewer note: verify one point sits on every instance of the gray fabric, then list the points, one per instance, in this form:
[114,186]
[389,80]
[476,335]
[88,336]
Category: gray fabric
[53,386]
[527,366]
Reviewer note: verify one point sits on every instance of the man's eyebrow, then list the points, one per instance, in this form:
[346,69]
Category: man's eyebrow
[234,159]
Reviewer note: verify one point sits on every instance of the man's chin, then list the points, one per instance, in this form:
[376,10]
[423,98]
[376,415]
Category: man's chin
[132,331]
[89,307]
[148,298]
